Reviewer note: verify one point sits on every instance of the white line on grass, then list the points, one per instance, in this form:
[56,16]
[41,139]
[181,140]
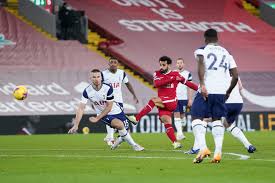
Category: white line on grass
[120,149]
[115,157]
[118,156]
[270,160]
[242,156]
[95,156]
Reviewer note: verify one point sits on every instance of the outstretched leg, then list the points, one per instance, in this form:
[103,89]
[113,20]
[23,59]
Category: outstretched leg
[238,133]
[151,104]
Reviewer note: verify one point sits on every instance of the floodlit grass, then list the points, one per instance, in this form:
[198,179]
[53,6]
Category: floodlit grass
[86,158]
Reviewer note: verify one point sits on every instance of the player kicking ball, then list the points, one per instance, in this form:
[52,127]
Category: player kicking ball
[166,81]
[102,99]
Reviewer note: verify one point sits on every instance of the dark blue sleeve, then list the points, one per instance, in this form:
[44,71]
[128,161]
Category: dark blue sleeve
[102,76]
[110,93]
[85,94]
[190,77]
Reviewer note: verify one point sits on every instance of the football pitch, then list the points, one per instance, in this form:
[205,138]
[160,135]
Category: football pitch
[86,158]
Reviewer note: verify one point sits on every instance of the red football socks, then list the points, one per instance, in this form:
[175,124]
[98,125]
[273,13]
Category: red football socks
[145,110]
[170,132]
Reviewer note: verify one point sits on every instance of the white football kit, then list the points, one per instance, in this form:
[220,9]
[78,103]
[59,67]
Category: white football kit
[217,62]
[116,80]
[181,88]
[99,98]
[235,96]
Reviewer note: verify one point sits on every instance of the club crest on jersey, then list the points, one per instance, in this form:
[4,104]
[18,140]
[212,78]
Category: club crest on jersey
[115,85]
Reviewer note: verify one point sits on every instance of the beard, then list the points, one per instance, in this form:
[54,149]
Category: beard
[113,68]
[163,71]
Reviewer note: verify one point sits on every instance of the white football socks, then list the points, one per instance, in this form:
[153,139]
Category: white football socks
[183,121]
[237,133]
[119,140]
[178,126]
[218,134]
[199,130]
[126,136]
[196,144]
[110,132]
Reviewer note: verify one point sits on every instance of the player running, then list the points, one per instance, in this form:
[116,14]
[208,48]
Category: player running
[184,96]
[166,82]
[116,77]
[234,106]
[214,65]
[101,97]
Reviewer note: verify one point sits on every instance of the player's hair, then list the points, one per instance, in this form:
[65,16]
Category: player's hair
[95,71]
[166,58]
[180,58]
[211,33]
[113,58]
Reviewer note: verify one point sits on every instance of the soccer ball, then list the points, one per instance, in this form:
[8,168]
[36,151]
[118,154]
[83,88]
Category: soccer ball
[86,130]
[20,92]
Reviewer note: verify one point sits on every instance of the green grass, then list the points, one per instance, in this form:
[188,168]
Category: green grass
[86,158]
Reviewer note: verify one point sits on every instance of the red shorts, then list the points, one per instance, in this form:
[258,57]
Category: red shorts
[169,106]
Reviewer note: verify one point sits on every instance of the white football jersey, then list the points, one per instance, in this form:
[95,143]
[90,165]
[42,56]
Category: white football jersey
[217,62]
[116,80]
[235,96]
[181,88]
[99,98]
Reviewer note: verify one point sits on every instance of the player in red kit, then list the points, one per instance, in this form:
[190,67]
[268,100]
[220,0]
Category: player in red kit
[166,81]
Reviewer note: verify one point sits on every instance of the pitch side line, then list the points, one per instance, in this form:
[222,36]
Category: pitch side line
[96,156]
[120,149]
[241,156]
[119,156]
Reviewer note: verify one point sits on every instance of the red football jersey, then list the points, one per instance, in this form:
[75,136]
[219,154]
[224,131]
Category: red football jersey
[166,84]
